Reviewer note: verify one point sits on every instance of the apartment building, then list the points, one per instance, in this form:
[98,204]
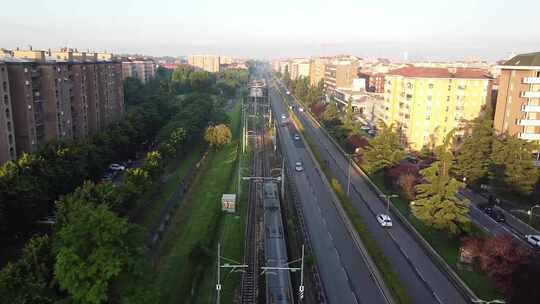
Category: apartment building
[518,102]
[299,68]
[209,63]
[426,103]
[144,70]
[317,70]
[59,95]
[374,81]
[339,74]
[8,151]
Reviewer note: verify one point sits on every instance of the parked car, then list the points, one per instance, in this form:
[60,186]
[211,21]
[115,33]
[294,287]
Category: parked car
[384,220]
[117,167]
[365,128]
[533,239]
[298,167]
[372,132]
[296,137]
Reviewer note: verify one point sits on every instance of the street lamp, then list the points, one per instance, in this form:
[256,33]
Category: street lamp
[530,212]
[349,159]
[388,197]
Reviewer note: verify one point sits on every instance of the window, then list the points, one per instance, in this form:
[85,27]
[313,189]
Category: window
[449,88]
[430,85]
[429,97]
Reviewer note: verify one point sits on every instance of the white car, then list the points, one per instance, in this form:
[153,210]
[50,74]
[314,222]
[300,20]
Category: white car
[301,109]
[384,220]
[296,137]
[283,116]
[117,167]
[533,239]
[288,93]
[298,167]
[365,128]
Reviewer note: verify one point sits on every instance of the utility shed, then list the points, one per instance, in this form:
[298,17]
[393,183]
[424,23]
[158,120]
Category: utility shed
[228,203]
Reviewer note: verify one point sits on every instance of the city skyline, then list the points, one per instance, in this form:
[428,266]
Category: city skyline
[421,30]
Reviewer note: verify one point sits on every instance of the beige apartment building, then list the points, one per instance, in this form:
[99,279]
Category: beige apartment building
[339,74]
[299,68]
[427,103]
[209,63]
[8,150]
[317,70]
[144,70]
[518,102]
[60,95]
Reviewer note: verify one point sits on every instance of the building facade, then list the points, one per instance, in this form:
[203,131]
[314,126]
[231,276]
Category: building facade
[424,104]
[317,70]
[339,74]
[209,63]
[299,68]
[60,95]
[374,81]
[8,150]
[144,70]
[518,101]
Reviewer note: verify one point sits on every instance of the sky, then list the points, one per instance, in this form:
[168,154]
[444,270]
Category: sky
[395,29]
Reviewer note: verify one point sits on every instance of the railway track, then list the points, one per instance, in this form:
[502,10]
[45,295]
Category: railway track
[250,279]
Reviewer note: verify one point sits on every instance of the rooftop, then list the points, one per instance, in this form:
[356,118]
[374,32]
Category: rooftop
[428,72]
[529,59]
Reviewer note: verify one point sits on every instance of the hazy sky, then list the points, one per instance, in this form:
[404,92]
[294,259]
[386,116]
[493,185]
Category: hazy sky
[424,29]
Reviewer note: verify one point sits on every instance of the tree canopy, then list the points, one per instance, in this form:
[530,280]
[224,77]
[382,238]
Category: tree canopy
[384,150]
[218,136]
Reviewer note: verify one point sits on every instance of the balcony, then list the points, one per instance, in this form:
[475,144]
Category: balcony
[529,122]
[529,136]
[530,94]
[531,108]
[531,80]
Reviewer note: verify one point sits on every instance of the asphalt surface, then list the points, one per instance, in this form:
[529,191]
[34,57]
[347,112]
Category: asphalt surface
[423,280]
[345,275]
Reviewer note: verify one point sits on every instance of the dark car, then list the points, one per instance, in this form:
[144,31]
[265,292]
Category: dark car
[498,216]
[486,208]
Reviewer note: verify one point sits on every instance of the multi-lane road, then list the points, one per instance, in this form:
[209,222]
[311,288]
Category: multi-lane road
[346,276]
[424,281]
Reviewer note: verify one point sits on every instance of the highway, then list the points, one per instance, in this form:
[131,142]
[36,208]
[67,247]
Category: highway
[423,280]
[343,270]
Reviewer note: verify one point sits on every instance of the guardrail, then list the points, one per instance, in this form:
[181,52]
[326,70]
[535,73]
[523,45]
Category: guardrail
[432,253]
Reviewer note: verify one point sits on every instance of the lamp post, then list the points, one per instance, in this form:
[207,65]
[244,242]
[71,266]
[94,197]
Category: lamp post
[349,157]
[388,197]
[530,212]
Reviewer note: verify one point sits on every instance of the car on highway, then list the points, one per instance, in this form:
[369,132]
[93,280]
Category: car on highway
[283,116]
[301,109]
[384,220]
[533,239]
[117,167]
[288,93]
[365,128]
[498,216]
[296,136]
[298,167]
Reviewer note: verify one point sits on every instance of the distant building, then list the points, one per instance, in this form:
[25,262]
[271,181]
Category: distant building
[144,70]
[518,102]
[59,95]
[374,81]
[339,74]
[426,103]
[317,70]
[209,63]
[299,68]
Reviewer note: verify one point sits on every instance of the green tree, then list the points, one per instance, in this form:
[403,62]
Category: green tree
[153,164]
[436,203]
[331,114]
[201,81]
[384,150]
[348,119]
[513,165]
[473,159]
[92,248]
[218,136]
[30,278]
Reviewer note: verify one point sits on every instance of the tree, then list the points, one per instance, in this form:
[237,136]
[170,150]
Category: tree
[348,119]
[201,81]
[30,278]
[436,203]
[500,259]
[473,158]
[218,136]
[331,115]
[383,151]
[513,165]
[92,248]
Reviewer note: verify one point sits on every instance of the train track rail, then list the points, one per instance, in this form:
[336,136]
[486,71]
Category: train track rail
[250,279]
